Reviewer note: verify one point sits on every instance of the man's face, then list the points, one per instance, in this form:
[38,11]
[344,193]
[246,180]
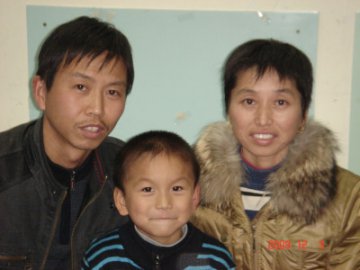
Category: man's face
[82,107]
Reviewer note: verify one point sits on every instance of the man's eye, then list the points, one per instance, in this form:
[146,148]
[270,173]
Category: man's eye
[80,86]
[114,93]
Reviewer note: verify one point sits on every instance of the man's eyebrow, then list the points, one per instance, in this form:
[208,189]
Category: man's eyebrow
[118,83]
[81,75]
[87,77]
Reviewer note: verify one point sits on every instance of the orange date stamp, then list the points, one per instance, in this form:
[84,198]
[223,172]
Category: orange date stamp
[283,244]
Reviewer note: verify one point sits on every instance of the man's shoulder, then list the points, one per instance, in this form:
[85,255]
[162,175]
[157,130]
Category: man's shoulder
[111,144]
[108,150]
[11,139]
[13,167]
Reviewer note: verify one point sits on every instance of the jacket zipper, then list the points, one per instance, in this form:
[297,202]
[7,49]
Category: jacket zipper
[72,180]
[256,226]
[77,221]
[254,248]
[53,231]
[157,265]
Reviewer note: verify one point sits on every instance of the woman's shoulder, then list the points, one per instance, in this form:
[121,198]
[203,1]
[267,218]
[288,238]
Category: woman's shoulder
[348,183]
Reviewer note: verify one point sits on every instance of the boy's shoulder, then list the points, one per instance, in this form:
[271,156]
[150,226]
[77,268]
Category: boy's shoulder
[110,239]
[110,251]
[113,237]
[199,251]
[102,248]
[210,248]
[203,237]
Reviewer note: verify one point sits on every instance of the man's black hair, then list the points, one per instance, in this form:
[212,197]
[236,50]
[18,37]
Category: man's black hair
[79,38]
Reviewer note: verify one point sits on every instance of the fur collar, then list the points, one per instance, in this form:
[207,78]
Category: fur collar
[300,189]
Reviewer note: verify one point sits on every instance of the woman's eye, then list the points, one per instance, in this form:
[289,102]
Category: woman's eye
[248,101]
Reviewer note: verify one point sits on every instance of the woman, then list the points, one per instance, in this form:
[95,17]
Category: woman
[271,188]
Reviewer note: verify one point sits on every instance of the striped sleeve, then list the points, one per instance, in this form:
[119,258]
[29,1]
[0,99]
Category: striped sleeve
[107,253]
[209,254]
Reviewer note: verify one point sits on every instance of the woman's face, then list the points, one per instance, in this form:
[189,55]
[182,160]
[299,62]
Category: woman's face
[265,114]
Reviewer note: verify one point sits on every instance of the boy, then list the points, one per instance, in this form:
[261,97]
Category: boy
[54,192]
[157,186]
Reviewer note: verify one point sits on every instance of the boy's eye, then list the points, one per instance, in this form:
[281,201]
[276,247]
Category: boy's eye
[178,188]
[146,189]
[281,102]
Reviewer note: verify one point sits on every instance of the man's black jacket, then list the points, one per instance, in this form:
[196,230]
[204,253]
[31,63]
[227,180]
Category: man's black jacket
[31,200]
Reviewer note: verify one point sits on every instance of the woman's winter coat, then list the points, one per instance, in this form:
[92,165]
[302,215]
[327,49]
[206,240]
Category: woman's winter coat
[312,220]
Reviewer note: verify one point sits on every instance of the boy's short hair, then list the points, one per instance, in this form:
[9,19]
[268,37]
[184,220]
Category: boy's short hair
[269,54]
[79,38]
[153,143]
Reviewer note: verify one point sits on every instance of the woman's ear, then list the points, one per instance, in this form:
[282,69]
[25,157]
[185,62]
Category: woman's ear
[303,122]
[39,92]
[119,200]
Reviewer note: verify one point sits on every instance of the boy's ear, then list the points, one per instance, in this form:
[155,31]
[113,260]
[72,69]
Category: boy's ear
[119,200]
[196,197]
[39,92]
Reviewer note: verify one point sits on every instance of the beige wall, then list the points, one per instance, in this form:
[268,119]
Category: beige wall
[333,68]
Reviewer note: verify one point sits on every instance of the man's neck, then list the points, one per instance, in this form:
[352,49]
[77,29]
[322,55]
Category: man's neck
[68,161]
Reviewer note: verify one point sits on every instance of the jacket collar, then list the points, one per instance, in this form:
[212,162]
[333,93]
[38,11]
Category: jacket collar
[300,189]
[38,162]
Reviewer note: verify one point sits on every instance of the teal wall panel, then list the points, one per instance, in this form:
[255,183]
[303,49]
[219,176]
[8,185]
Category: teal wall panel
[178,58]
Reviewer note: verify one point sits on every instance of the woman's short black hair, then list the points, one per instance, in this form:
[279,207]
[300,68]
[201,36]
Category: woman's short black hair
[269,54]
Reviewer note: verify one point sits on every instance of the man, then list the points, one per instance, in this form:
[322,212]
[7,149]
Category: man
[55,193]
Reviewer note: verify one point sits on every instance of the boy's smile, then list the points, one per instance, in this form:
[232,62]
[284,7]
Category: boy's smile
[160,196]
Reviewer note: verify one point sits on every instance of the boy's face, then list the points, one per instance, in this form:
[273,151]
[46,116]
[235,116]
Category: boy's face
[160,196]
[81,108]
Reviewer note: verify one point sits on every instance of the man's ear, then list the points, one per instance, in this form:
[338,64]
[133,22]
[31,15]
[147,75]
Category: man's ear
[196,197]
[39,92]
[119,200]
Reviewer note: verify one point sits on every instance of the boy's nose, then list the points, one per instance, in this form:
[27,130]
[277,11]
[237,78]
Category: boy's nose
[163,201]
